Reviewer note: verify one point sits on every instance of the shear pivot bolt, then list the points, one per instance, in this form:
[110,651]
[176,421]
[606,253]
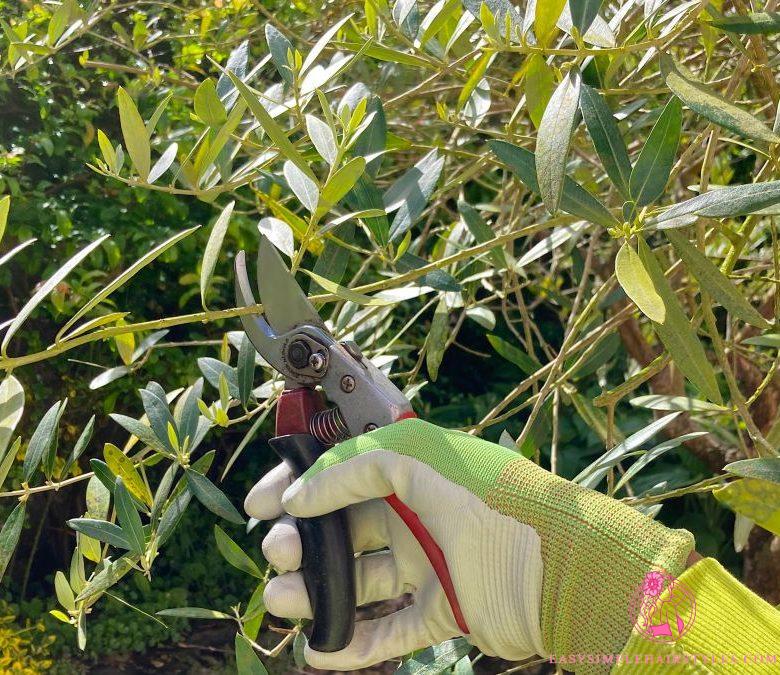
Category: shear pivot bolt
[370,427]
[298,353]
[348,384]
[317,361]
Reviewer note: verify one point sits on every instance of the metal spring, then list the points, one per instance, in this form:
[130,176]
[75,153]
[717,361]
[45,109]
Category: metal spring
[328,426]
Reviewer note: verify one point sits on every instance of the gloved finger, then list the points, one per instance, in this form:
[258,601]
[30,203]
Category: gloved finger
[264,500]
[377,640]
[368,529]
[282,545]
[370,475]
[376,578]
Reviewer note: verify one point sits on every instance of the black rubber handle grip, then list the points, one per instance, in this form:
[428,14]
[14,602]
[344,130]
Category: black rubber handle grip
[328,559]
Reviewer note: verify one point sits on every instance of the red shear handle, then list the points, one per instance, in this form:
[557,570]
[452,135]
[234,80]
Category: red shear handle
[434,553]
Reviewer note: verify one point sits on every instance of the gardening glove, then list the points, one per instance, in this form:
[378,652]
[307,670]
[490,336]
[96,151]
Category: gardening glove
[539,565]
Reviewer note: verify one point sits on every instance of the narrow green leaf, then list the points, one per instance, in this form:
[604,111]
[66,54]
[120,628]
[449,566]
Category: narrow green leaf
[274,131]
[725,202]
[46,288]
[8,460]
[593,474]
[366,197]
[677,333]
[247,661]
[546,19]
[606,137]
[141,431]
[574,199]
[409,194]
[304,188]
[322,137]
[714,281]
[701,99]
[341,183]
[212,497]
[41,441]
[654,453]
[125,276]
[107,150]
[554,137]
[9,535]
[156,408]
[279,46]
[11,409]
[765,468]
[637,284]
[583,12]
[213,247]
[234,554]
[347,293]
[193,613]
[654,164]
[5,206]
[754,23]
[213,368]
[673,403]
[164,162]
[436,342]
[207,104]
[101,530]
[151,123]
[64,592]
[110,574]
[514,355]
[482,232]
[539,87]
[245,369]
[321,43]
[121,465]
[134,133]
[129,520]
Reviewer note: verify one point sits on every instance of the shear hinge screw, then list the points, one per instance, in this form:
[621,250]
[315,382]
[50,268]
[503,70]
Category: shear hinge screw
[317,362]
[370,427]
[348,384]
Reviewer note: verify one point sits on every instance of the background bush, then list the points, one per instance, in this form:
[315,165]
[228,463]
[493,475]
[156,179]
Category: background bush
[558,316]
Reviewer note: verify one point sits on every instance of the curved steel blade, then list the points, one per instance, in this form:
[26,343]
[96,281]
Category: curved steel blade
[285,305]
[259,332]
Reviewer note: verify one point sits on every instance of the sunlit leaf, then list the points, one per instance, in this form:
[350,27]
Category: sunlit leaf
[636,282]
[134,133]
[703,100]
[554,137]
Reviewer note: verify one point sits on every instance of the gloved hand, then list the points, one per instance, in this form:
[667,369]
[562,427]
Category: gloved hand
[539,564]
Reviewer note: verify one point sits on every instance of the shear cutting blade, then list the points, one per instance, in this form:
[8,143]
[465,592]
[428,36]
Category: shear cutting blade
[285,305]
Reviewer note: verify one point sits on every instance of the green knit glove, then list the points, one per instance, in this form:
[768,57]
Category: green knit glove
[539,564]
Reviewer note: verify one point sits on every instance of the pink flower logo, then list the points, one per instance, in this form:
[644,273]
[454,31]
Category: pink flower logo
[661,608]
[653,584]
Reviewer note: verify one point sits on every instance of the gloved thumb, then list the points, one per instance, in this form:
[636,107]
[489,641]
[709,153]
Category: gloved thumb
[333,483]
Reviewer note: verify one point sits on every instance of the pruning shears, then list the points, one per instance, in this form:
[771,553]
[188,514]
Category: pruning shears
[332,392]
